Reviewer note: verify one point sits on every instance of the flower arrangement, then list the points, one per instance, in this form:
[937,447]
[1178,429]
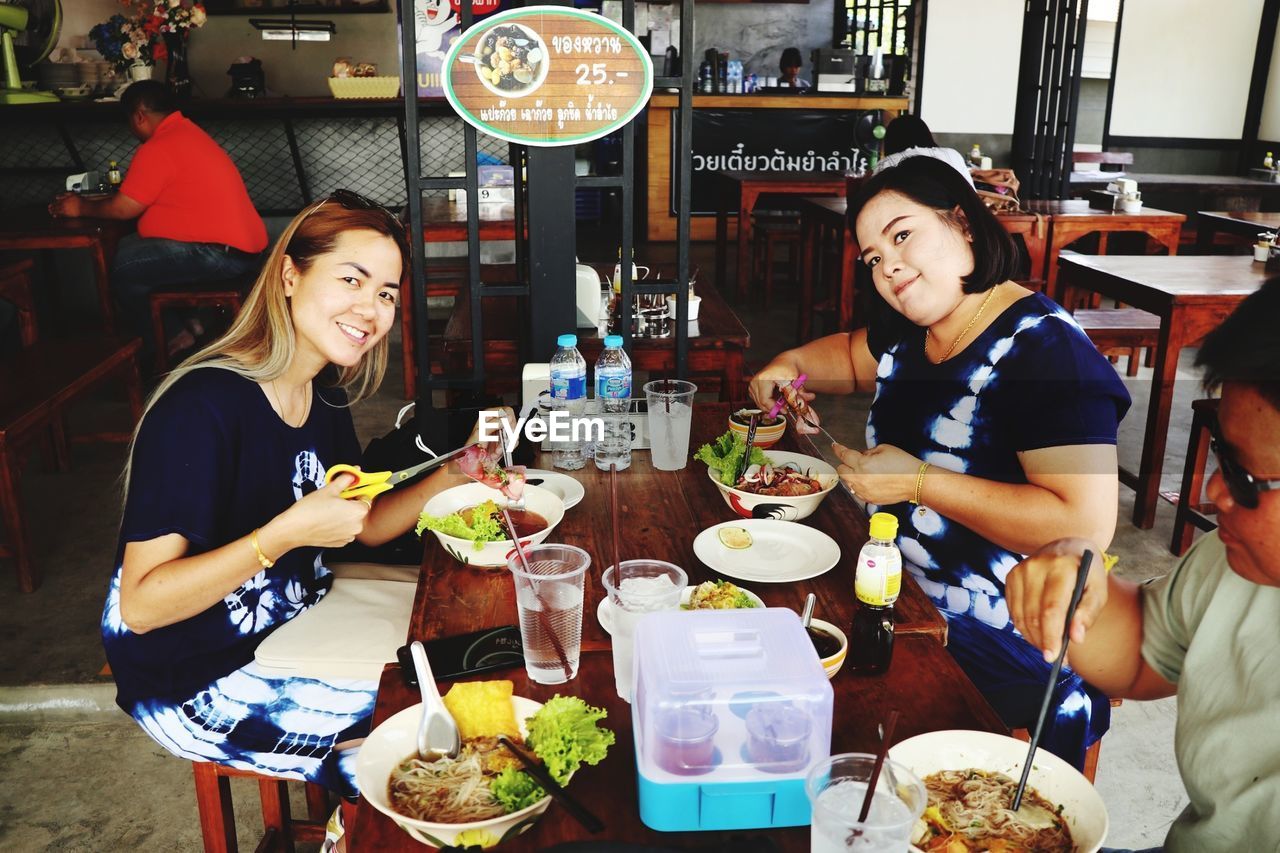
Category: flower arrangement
[136,38]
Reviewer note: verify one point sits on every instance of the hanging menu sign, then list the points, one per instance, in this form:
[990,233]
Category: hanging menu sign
[547,76]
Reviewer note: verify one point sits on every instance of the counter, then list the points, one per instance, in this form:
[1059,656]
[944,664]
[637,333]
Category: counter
[744,132]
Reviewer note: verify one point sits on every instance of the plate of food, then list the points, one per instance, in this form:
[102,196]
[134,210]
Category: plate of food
[482,797]
[511,60]
[563,486]
[766,550]
[971,776]
[469,523]
[777,484]
[710,595]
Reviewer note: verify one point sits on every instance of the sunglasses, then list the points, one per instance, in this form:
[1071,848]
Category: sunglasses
[354,201]
[1245,488]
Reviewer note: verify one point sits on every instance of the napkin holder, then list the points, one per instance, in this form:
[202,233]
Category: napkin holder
[731,708]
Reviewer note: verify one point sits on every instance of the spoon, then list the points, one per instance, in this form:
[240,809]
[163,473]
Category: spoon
[512,503]
[437,733]
[806,616]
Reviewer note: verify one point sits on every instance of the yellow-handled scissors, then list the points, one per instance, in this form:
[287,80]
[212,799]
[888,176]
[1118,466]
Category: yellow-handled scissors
[370,484]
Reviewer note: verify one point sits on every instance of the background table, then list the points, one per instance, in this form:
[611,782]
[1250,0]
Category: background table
[1242,223]
[32,228]
[1192,295]
[443,221]
[663,511]
[1186,193]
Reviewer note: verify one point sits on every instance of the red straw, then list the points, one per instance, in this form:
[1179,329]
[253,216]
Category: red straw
[617,543]
[875,771]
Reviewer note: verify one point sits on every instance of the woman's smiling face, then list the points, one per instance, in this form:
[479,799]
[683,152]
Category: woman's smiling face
[345,302]
[917,257]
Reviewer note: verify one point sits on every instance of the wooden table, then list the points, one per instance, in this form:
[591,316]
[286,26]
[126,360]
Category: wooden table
[1188,193]
[663,513]
[746,188]
[717,344]
[1242,223]
[1072,219]
[32,228]
[1192,295]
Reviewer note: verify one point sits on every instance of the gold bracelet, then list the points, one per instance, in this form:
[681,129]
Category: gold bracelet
[924,466]
[262,558]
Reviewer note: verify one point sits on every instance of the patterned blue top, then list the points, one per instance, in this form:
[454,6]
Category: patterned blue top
[1030,380]
[213,462]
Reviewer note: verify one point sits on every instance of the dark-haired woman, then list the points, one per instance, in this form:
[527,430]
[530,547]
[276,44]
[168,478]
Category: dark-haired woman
[992,430]
[227,514]
[908,136]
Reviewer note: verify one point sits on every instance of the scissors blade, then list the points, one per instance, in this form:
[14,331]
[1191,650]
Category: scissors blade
[401,476]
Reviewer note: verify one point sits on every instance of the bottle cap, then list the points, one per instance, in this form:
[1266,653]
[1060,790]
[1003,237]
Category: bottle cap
[884,526]
[567,341]
[613,340]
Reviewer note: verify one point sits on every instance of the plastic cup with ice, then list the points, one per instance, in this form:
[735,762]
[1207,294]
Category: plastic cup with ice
[643,586]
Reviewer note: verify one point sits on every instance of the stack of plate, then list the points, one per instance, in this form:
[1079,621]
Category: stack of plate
[99,75]
[57,75]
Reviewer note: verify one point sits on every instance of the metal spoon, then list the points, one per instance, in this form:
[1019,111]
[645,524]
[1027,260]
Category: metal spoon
[512,503]
[806,615]
[438,735]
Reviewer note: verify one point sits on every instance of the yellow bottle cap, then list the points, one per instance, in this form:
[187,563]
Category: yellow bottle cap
[884,526]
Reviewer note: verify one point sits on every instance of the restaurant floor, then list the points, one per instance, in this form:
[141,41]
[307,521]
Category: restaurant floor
[77,774]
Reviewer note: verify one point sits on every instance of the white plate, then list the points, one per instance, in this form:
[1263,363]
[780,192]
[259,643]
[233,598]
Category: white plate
[780,551]
[563,486]
[604,610]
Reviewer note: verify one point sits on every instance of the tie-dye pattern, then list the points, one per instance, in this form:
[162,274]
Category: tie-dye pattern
[972,415]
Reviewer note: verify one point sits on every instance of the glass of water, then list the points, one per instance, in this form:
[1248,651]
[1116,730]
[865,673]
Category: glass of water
[670,417]
[836,787]
[549,601]
[643,586]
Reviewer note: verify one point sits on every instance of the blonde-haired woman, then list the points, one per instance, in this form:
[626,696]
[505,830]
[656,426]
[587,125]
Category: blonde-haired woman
[227,512]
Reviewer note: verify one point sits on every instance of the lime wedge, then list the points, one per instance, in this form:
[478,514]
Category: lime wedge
[736,538]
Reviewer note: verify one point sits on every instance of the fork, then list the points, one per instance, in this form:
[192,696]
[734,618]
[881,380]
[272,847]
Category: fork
[512,503]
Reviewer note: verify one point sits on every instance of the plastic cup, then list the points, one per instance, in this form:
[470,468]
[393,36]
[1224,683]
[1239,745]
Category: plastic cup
[685,740]
[670,418]
[836,787]
[630,601]
[778,737]
[549,601]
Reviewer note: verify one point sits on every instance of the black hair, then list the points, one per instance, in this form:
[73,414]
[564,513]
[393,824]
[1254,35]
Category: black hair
[150,96]
[790,58]
[1246,347]
[936,184]
[907,131]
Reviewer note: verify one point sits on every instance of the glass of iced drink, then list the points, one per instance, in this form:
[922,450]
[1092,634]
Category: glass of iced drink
[643,586]
[836,787]
[670,417]
[549,601]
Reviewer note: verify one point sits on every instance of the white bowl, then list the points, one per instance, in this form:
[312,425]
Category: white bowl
[1054,779]
[397,739]
[545,503]
[528,88]
[832,663]
[749,505]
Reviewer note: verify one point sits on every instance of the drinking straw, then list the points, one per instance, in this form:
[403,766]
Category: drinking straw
[613,501]
[542,604]
[875,770]
[1081,574]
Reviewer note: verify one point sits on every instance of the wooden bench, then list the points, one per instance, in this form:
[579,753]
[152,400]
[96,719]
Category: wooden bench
[1191,512]
[1120,330]
[217,816]
[226,295]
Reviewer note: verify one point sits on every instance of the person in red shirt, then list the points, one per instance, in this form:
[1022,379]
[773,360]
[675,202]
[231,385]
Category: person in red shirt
[196,222]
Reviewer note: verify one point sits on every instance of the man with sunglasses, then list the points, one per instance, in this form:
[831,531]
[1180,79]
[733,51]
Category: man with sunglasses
[1210,630]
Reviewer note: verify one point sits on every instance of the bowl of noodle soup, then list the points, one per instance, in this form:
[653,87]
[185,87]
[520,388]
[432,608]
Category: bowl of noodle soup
[1053,779]
[397,739]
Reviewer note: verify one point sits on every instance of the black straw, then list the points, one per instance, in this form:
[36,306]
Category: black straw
[1081,574]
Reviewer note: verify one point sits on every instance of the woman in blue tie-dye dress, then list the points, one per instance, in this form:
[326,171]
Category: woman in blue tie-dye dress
[227,512]
[992,430]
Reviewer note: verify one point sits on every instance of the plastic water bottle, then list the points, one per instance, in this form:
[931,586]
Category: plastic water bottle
[568,394]
[613,393]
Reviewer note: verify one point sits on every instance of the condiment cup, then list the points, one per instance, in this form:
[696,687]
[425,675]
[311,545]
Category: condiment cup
[832,663]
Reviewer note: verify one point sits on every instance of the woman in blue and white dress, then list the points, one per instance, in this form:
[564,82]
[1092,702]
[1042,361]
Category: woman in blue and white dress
[227,513]
[992,430]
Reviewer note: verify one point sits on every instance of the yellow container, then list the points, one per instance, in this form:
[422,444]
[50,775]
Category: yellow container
[364,87]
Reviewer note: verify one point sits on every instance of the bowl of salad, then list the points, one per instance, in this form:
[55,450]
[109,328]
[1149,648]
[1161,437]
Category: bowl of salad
[468,521]
[779,484]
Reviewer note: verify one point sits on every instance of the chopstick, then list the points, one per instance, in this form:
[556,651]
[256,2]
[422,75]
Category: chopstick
[580,812]
[745,462]
[1081,574]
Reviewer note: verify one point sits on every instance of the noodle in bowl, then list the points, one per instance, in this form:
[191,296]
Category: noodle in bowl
[397,739]
[1052,778]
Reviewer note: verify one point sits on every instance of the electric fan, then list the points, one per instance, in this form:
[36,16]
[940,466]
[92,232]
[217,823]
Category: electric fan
[28,32]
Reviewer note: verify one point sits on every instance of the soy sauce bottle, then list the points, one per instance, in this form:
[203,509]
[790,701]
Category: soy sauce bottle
[876,583]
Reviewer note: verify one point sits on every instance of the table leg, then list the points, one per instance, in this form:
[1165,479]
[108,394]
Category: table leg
[803,322]
[848,252]
[746,203]
[102,277]
[1204,236]
[1157,431]
[733,381]
[722,233]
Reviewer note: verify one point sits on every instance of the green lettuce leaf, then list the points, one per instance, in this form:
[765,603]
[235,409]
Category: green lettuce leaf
[725,453]
[516,790]
[483,528]
[563,733]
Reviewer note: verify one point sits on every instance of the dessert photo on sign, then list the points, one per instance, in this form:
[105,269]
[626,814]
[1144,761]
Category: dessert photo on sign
[511,60]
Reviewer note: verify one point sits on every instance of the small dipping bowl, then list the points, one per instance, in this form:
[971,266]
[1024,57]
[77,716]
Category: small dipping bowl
[778,737]
[766,436]
[684,740]
[831,663]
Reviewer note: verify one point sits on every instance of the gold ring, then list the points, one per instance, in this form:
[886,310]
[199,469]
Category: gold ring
[367,502]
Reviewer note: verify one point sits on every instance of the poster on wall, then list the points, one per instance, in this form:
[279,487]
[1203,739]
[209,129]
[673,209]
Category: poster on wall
[437,25]
[756,141]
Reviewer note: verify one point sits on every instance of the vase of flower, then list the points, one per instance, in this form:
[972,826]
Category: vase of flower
[177,76]
[139,71]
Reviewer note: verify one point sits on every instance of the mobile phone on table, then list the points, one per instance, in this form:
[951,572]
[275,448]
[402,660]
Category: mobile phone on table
[467,654]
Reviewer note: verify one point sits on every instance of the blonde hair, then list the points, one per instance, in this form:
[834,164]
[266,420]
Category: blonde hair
[261,344]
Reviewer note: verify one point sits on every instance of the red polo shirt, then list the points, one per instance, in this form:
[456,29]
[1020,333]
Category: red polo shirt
[191,190]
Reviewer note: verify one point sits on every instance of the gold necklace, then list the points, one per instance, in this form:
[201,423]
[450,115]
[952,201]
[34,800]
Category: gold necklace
[306,404]
[963,332]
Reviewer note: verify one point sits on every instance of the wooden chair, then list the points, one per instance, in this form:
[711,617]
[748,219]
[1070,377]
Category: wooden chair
[771,229]
[39,382]
[217,817]
[1120,331]
[1090,755]
[1190,511]
[1103,158]
[225,295]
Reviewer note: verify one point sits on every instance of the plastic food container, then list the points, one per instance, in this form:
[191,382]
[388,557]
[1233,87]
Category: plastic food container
[730,709]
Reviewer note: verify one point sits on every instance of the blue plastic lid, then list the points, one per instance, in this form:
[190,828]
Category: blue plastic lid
[613,341]
[567,341]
